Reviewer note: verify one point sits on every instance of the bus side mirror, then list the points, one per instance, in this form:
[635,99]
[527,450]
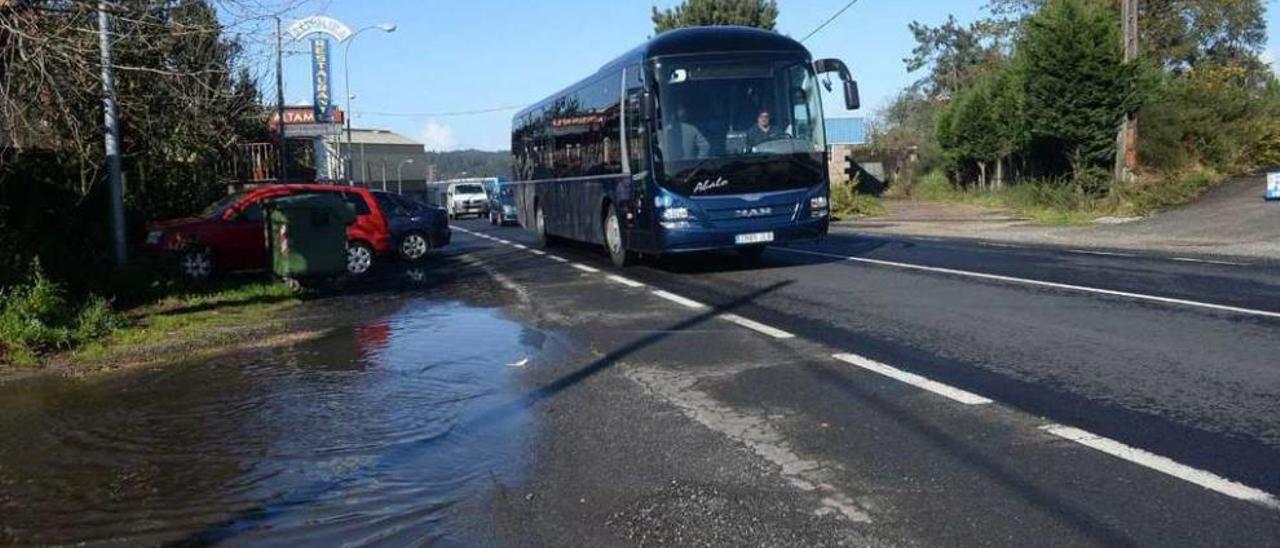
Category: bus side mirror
[851,99]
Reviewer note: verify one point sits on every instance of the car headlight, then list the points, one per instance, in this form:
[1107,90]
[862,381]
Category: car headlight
[818,202]
[675,214]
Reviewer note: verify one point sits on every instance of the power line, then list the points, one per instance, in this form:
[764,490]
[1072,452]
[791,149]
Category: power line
[440,114]
[829,20]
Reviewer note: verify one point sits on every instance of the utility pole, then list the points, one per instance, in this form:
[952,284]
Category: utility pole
[280,150]
[1127,140]
[111,138]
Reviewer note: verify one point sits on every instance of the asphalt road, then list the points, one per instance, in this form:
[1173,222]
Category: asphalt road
[982,395]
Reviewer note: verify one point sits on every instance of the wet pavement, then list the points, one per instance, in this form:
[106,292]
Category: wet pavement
[509,396]
[370,433]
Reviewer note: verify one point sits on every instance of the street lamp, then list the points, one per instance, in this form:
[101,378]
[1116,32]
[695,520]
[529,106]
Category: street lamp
[346,82]
[399,179]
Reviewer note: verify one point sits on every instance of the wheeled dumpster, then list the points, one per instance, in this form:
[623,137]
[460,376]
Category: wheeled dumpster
[307,235]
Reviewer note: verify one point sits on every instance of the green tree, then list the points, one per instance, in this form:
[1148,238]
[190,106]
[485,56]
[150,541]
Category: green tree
[955,55]
[761,14]
[1077,84]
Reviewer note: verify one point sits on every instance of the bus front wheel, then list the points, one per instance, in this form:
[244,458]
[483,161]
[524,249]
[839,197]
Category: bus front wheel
[613,240]
[540,226]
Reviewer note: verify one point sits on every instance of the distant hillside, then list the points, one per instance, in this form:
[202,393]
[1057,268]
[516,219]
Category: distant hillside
[455,164]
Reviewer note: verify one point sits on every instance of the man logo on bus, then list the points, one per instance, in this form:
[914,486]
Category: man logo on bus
[754,212]
[708,184]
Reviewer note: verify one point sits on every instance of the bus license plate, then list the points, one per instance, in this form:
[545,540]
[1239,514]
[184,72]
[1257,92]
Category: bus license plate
[754,238]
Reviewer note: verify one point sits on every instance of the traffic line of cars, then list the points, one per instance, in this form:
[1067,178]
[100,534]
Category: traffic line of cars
[229,235]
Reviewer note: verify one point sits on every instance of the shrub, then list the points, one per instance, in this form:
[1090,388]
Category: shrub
[846,201]
[36,317]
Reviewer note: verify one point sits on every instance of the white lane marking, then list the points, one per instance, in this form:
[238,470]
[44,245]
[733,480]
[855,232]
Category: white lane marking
[678,299]
[625,281]
[537,252]
[1055,285]
[757,326]
[1103,253]
[1207,261]
[1165,465]
[994,244]
[584,268]
[557,258]
[520,246]
[502,241]
[967,398]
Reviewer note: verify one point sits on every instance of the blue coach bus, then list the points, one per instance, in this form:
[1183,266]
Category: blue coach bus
[700,139]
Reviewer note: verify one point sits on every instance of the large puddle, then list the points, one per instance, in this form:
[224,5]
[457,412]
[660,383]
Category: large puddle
[368,434]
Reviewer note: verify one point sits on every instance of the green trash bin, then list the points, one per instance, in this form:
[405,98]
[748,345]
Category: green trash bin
[307,235]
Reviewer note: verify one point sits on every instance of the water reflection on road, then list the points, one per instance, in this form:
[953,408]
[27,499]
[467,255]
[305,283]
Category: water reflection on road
[365,434]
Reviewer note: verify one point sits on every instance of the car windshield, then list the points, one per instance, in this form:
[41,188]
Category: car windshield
[468,189]
[735,123]
[215,209]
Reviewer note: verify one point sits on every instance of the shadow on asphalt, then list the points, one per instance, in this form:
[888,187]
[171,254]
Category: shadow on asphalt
[246,520]
[1071,515]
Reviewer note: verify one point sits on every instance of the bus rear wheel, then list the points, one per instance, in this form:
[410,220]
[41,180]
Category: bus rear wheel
[613,240]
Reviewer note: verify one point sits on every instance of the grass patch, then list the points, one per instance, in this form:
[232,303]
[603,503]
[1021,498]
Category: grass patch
[196,313]
[38,319]
[1064,203]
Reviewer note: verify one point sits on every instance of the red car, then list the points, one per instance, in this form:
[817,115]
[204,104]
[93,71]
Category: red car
[229,234]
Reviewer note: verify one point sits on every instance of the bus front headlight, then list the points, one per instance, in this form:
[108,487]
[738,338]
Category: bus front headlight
[675,214]
[818,202]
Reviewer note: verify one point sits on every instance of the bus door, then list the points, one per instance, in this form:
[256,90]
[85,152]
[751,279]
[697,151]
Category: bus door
[636,137]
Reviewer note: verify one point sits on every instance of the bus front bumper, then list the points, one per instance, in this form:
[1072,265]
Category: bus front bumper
[685,240]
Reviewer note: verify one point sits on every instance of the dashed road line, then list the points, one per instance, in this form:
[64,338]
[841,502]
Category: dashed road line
[757,326]
[962,396]
[625,281]
[1111,447]
[682,301]
[1039,283]
[1207,261]
[1102,253]
[1165,465]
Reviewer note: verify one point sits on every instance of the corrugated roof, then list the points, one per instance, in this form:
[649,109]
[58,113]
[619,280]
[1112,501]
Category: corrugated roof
[846,131]
[375,137]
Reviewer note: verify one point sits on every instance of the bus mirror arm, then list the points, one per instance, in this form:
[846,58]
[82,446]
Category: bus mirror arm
[647,108]
[851,99]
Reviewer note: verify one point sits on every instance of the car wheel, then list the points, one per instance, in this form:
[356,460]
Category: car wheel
[414,247]
[613,240]
[196,263]
[359,258]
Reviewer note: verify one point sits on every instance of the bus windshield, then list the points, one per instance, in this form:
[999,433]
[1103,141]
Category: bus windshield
[733,123]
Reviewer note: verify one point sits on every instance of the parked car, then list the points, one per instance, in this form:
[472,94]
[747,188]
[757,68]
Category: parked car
[415,227]
[229,234]
[502,203]
[460,197]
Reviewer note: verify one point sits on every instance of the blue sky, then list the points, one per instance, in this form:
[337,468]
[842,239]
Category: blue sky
[448,56]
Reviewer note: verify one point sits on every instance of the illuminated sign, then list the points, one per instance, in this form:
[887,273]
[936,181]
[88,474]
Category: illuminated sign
[319,24]
[323,101]
[582,120]
[294,116]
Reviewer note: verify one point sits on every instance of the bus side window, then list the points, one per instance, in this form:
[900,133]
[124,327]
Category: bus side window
[635,126]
